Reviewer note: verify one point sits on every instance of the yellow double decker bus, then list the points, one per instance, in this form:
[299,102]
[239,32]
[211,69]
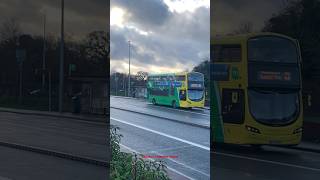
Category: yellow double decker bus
[256,90]
[185,90]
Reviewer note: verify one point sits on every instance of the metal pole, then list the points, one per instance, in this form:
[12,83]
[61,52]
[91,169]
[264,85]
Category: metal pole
[61,59]
[129,83]
[44,52]
[49,78]
[123,84]
[20,73]
[116,79]
[20,82]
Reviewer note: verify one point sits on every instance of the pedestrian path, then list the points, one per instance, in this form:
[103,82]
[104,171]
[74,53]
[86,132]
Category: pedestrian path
[86,117]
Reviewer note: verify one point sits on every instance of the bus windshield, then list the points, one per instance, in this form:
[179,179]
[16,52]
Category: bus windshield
[274,108]
[195,86]
[272,49]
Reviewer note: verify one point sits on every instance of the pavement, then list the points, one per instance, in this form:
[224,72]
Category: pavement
[87,117]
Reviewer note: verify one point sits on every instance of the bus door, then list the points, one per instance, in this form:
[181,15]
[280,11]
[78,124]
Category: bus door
[232,106]
[182,95]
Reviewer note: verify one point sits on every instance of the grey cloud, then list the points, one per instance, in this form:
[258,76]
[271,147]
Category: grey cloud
[227,15]
[81,16]
[145,13]
[119,43]
[183,39]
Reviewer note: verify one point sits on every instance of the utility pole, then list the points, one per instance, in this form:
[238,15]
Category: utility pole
[123,85]
[49,79]
[61,77]
[20,56]
[129,83]
[116,79]
[44,52]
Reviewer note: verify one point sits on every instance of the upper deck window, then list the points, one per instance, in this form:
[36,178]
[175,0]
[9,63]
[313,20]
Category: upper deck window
[272,49]
[226,53]
[180,77]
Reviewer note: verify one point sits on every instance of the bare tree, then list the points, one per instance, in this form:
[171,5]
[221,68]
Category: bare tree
[246,27]
[141,76]
[97,46]
[10,30]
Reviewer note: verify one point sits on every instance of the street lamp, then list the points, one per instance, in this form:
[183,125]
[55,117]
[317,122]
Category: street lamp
[61,59]
[129,83]
[44,51]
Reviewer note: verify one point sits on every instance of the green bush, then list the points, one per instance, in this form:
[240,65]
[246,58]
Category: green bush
[127,166]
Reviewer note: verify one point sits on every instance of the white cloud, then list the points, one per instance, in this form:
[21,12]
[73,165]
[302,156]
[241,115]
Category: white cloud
[173,42]
[116,16]
[186,5]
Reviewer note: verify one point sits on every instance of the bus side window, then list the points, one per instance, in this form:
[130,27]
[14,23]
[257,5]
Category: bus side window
[172,90]
[233,106]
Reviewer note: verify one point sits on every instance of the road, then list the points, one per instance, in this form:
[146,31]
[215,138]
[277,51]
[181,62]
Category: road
[158,135]
[200,117]
[79,138]
[272,163]
[23,165]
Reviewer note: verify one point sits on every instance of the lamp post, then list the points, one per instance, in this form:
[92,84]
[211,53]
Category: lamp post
[61,76]
[129,83]
[44,52]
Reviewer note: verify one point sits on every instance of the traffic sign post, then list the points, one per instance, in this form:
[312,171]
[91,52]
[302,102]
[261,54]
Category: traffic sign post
[20,56]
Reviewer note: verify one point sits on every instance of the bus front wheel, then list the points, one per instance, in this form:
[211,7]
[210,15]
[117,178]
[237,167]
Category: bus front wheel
[154,101]
[174,104]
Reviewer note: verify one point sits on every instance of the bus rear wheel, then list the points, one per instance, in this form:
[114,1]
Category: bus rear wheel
[154,101]
[174,104]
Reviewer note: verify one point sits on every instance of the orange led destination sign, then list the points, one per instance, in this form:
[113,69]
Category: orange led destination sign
[272,75]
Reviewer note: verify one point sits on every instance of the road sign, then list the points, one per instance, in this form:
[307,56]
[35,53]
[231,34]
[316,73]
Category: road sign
[20,55]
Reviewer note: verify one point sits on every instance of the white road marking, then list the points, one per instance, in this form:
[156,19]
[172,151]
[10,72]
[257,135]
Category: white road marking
[170,168]
[267,161]
[163,134]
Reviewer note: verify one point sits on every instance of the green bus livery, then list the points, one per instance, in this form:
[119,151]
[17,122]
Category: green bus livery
[185,90]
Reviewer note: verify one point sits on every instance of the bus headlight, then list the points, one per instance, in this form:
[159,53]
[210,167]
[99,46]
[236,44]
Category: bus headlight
[252,129]
[299,130]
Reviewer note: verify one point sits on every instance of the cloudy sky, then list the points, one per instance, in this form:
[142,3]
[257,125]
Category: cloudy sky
[81,16]
[166,35]
[227,15]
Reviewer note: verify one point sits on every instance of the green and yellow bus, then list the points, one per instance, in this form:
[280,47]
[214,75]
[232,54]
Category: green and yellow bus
[185,90]
[256,90]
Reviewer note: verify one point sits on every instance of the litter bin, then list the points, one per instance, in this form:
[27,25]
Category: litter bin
[76,104]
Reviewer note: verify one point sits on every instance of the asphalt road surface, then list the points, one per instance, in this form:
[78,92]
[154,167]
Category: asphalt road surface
[268,163]
[85,139]
[24,165]
[150,135]
[195,116]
